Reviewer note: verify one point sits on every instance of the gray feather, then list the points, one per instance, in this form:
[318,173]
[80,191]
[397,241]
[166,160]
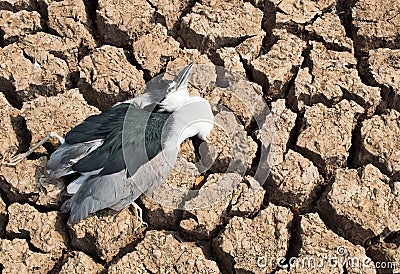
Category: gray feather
[73,187]
[117,191]
[97,193]
[66,155]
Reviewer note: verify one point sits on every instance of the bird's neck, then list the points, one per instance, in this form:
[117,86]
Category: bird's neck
[184,122]
[175,100]
[171,148]
[179,131]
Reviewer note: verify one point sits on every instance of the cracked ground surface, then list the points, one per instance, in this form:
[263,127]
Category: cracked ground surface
[330,73]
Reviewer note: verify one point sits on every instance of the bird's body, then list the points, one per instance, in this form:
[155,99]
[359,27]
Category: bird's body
[129,149]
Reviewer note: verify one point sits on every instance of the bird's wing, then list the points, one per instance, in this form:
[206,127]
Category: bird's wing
[97,193]
[98,126]
[116,190]
[143,143]
[142,140]
[66,155]
[84,139]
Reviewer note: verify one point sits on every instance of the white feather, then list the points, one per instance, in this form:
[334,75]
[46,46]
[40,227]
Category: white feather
[74,186]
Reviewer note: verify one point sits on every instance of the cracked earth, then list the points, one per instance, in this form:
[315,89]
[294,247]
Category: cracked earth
[330,73]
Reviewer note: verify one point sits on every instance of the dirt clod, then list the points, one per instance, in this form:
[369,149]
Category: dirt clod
[360,204]
[152,51]
[295,182]
[244,240]
[375,24]
[107,77]
[207,210]
[216,24]
[228,147]
[320,248]
[79,262]
[283,121]
[329,29]
[244,99]
[105,233]
[121,22]
[28,181]
[276,68]
[23,79]
[16,255]
[229,58]
[326,134]
[247,198]
[17,5]
[42,44]
[9,141]
[384,65]
[169,12]
[15,26]
[250,48]
[380,142]
[299,12]
[331,77]
[161,252]
[44,230]
[69,19]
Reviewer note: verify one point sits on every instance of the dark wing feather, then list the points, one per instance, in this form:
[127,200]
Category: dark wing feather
[157,123]
[66,155]
[85,138]
[104,156]
[108,188]
[98,126]
[110,155]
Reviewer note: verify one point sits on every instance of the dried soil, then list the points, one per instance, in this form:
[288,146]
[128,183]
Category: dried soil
[328,70]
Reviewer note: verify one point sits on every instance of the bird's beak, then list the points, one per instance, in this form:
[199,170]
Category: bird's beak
[182,79]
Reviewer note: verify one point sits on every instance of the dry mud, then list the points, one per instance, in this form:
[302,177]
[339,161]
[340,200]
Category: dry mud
[330,73]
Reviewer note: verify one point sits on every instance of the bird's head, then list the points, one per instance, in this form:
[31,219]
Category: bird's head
[177,94]
[192,115]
